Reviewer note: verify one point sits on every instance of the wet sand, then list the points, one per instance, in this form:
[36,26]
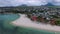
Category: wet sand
[26,22]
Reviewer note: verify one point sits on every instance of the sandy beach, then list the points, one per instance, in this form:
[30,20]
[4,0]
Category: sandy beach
[26,22]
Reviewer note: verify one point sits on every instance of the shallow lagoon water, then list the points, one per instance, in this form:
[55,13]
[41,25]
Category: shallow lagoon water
[6,28]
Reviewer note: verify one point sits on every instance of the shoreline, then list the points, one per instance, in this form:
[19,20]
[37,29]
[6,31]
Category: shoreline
[23,21]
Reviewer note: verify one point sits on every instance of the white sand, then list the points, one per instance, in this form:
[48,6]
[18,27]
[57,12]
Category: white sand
[26,22]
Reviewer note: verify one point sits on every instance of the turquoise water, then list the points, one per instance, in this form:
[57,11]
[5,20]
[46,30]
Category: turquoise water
[7,18]
[6,28]
[22,30]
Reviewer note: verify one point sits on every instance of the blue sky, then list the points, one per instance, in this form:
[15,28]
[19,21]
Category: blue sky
[28,2]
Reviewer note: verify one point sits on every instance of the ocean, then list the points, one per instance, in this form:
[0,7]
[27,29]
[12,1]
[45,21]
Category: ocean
[7,28]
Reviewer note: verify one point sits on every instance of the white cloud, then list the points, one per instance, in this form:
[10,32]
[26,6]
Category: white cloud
[56,2]
[19,2]
[28,2]
[36,2]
